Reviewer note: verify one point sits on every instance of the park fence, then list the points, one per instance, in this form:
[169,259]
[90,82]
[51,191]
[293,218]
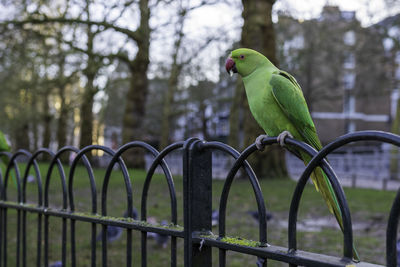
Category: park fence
[198,239]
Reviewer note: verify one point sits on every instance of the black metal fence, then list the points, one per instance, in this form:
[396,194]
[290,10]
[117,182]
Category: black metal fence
[197,196]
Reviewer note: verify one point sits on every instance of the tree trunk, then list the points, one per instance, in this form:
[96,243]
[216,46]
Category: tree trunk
[46,117]
[234,117]
[136,97]
[172,85]
[86,114]
[168,102]
[258,33]
[34,122]
[22,135]
[62,120]
[204,128]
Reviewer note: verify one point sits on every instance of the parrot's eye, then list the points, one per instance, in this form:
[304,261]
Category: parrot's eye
[241,56]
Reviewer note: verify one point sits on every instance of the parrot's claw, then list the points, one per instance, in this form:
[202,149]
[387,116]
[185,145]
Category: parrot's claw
[281,137]
[259,143]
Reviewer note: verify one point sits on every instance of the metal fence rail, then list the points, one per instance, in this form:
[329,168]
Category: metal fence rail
[197,196]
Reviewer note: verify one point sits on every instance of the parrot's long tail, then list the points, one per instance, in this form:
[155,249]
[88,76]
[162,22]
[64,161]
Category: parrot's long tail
[323,185]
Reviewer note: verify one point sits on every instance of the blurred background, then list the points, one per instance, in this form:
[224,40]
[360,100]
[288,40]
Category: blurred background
[108,72]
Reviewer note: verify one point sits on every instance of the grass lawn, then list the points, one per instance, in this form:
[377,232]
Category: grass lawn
[317,228]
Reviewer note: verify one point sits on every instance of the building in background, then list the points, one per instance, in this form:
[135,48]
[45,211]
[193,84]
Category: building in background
[344,70]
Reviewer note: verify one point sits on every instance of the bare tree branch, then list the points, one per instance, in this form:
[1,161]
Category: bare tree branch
[134,35]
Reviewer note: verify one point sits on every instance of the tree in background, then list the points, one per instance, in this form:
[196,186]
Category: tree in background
[258,34]
[136,96]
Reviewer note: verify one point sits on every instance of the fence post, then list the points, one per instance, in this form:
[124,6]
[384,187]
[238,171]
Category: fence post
[197,202]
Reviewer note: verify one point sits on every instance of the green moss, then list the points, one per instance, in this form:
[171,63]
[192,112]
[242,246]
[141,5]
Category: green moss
[241,242]
[234,240]
[130,220]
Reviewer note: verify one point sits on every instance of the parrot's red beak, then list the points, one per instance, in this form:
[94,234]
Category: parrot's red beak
[230,66]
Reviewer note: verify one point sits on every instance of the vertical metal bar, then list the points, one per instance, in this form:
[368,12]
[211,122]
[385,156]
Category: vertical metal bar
[1,228]
[24,239]
[93,245]
[39,241]
[129,247]
[197,202]
[64,243]
[104,245]
[173,252]
[222,257]
[4,234]
[144,249]
[73,247]
[18,236]
[46,240]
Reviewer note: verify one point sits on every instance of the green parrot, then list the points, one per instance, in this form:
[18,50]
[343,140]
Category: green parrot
[278,105]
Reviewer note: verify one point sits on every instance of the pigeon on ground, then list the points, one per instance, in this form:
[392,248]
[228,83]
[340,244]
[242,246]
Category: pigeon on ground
[56,264]
[255,215]
[161,240]
[115,232]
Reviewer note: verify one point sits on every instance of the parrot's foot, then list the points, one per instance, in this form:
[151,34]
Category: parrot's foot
[281,137]
[259,143]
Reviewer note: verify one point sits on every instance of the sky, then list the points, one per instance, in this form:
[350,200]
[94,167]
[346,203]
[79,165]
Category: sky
[368,11]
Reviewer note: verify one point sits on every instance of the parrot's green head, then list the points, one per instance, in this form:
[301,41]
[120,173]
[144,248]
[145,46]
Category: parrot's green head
[244,61]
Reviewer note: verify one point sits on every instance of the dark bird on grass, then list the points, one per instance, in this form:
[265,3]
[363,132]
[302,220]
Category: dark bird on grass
[56,264]
[135,214]
[115,232]
[256,216]
[161,240]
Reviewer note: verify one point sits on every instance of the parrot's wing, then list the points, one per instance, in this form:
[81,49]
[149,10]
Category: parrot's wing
[288,95]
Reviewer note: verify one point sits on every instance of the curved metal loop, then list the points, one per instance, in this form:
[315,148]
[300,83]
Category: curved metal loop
[117,157]
[241,161]
[395,211]
[159,161]
[80,154]
[32,161]
[339,193]
[391,232]
[21,152]
[56,160]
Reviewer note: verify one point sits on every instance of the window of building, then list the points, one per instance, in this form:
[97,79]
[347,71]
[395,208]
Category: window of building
[348,15]
[394,31]
[349,79]
[349,38]
[388,44]
[349,104]
[351,127]
[297,42]
[397,74]
[397,57]
[349,61]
